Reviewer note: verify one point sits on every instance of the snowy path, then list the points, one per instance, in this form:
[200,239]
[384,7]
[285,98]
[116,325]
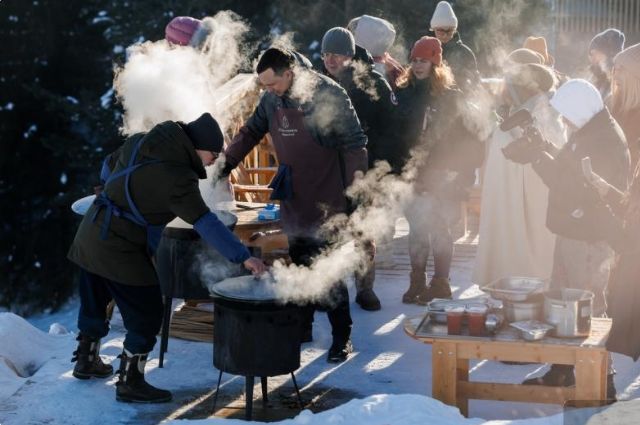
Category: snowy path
[386,362]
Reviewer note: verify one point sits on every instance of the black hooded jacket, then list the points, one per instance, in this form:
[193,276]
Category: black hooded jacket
[462,62]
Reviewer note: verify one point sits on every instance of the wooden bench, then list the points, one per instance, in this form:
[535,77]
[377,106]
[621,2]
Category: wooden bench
[451,354]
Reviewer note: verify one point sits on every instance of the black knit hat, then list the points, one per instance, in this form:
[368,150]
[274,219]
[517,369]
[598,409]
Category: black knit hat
[205,133]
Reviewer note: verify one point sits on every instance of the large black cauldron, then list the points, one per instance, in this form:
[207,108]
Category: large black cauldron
[255,337]
[180,258]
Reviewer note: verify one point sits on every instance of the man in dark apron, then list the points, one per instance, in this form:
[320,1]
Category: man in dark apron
[148,181]
[319,145]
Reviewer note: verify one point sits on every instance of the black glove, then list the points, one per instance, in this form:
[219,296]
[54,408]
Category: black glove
[522,151]
[226,170]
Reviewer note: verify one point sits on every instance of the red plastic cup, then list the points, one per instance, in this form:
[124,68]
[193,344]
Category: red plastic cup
[454,320]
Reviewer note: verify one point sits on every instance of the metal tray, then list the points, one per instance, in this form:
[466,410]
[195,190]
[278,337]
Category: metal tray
[532,330]
[516,288]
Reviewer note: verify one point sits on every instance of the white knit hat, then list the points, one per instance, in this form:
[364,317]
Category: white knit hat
[374,34]
[443,16]
[578,101]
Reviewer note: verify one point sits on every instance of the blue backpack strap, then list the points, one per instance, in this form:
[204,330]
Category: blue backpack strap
[103,201]
[132,168]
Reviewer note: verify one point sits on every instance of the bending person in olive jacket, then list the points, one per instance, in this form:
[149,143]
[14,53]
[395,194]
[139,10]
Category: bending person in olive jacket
[351,66]
[582,257]
[150,180]
[319,145]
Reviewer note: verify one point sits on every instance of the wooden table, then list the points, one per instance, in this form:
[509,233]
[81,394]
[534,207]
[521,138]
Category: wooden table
[248,223]
[451,355]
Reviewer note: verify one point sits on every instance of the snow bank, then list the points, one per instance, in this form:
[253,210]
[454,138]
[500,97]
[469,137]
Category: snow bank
[23,351]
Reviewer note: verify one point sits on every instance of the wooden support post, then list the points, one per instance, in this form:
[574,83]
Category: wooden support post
[462,377]
[445,373]
[591,375]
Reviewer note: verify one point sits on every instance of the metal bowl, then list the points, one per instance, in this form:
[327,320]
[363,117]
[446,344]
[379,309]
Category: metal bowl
[516,289]
[520,311]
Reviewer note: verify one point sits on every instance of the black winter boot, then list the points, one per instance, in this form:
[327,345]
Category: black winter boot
[365,297]
[611,389]
[340,350]
[131,386]
[88,361]
[368,300]
[438,288]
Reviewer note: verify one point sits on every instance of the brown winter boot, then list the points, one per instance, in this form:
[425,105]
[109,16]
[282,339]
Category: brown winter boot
[438,288]
[558,376]
[417,286]
[88,361]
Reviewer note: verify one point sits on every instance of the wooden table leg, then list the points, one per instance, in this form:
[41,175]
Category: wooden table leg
[462,367]
[591,375]
[444,371]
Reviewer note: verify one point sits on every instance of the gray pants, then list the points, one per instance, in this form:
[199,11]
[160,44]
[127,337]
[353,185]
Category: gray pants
[584,265]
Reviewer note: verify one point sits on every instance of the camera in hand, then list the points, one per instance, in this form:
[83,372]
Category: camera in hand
[525,121]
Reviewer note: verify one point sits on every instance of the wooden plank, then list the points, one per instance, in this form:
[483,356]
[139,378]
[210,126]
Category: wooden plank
[462,368]
[591,375]
[517,351]
[515,392]
[444,372]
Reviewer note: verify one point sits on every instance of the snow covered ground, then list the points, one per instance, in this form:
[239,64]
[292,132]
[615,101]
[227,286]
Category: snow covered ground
[387,380]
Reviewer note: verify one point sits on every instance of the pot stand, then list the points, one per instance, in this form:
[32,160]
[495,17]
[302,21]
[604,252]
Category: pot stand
[248,391]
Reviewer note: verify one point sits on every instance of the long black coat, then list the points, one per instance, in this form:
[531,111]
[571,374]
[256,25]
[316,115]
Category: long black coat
[574,209]
[624,283]
[160,191]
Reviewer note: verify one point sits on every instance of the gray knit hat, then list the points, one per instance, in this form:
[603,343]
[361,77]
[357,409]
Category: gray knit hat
[339,41]
[610,42]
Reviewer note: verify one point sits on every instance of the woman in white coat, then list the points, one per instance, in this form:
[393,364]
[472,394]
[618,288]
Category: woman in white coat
[513,236]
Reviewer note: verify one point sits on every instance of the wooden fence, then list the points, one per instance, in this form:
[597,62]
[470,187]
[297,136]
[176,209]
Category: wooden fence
[593,16]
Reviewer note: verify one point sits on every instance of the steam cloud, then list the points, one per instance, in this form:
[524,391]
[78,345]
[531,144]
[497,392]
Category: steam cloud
[162,82]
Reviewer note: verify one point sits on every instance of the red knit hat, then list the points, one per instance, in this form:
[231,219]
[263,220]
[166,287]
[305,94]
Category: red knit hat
[428,48]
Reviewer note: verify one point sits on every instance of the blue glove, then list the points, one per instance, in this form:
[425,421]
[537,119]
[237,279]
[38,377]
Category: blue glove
[216,234]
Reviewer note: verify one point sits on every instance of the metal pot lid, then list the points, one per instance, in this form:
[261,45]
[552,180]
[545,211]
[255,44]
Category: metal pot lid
[246,288]
[82,205]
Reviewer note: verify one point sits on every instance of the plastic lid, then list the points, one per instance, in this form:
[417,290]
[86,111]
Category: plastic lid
[477,309]
[454,309]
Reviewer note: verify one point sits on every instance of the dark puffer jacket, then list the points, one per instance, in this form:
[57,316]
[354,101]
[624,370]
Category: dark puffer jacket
[462,62]
[374,103]
[160,191]
[440,125]
[575,210]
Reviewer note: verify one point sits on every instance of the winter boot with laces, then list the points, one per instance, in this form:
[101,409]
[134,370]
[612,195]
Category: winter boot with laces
[438,288]
[340,350]
[88,361]
[131,386]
